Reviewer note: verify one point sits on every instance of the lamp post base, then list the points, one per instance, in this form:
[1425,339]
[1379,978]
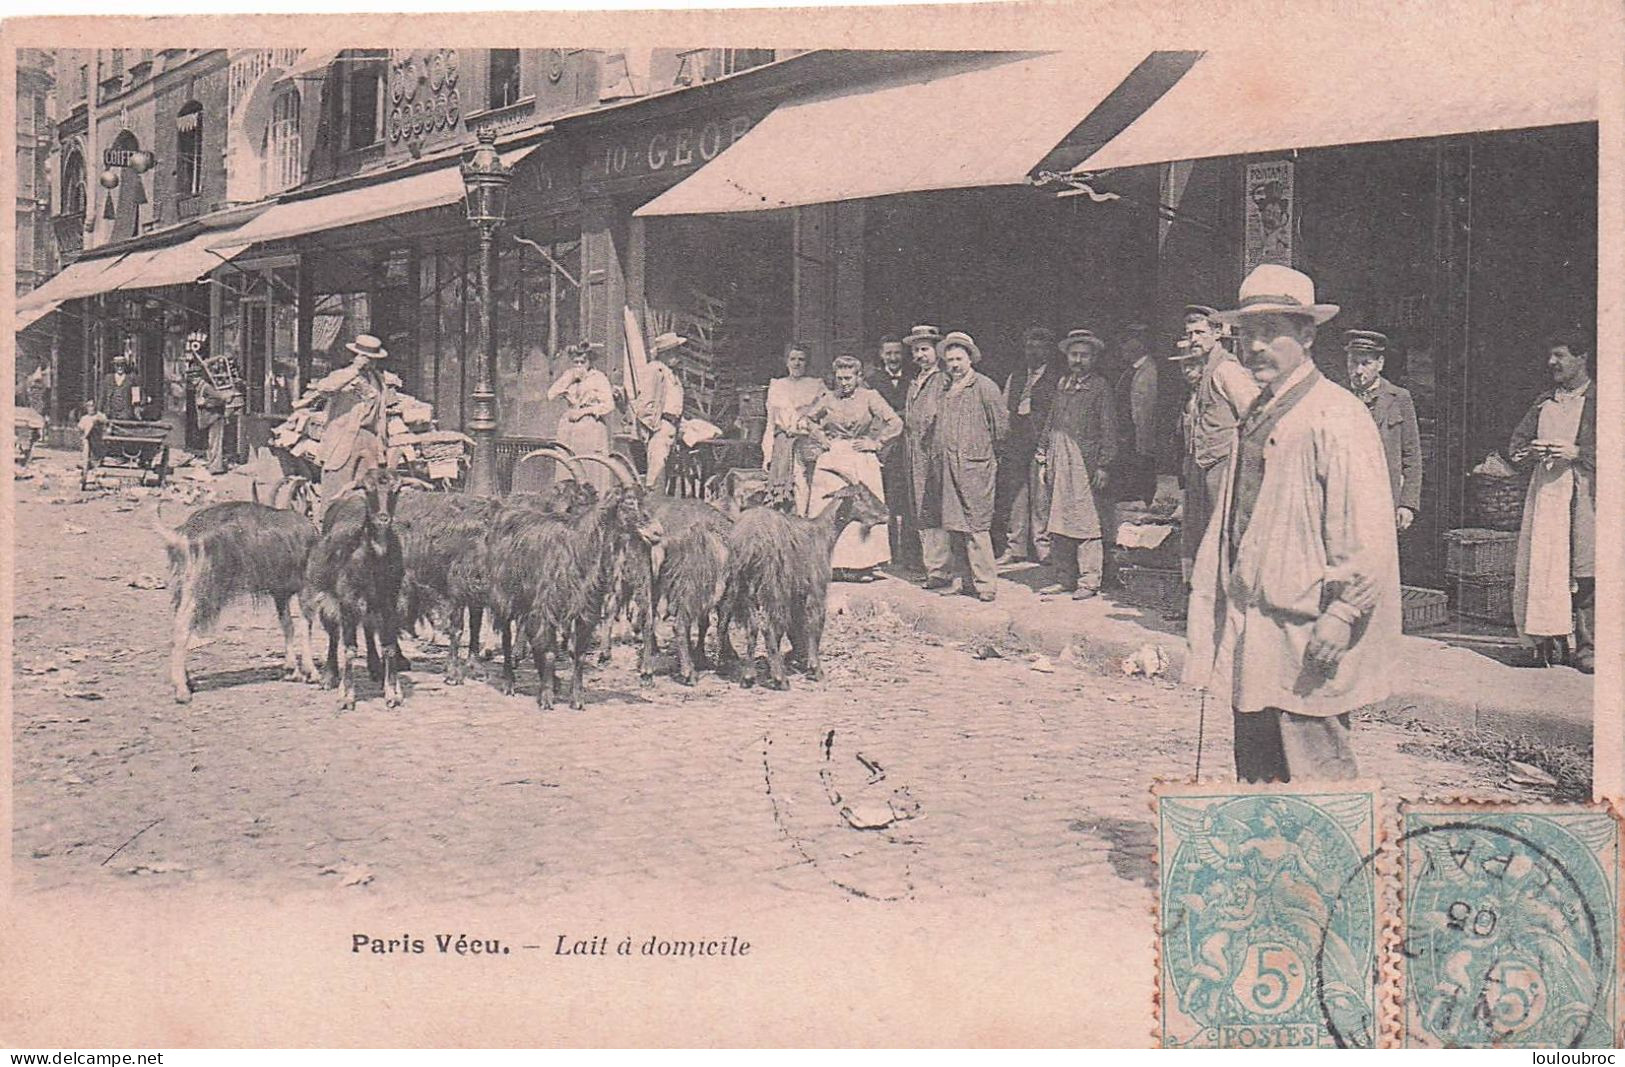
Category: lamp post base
[482,427]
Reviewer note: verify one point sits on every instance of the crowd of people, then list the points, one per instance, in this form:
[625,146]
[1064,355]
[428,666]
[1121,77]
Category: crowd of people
[1294,491]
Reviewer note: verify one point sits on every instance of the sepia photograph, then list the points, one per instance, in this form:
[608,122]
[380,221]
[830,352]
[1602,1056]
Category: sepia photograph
[661,516]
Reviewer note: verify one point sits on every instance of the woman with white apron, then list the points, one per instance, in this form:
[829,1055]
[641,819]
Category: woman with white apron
[785,452]
[584,426]
[855,422]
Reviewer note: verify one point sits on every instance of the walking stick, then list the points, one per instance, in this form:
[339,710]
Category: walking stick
[1201,725]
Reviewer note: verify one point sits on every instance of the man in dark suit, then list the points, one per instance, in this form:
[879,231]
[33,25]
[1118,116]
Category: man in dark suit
[890,377]
[1028,392]
[1395,415]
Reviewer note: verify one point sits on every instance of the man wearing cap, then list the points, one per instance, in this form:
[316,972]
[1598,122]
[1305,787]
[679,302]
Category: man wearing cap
[1395,415]
[659,407]
[1295,608]
[921,409]
[971,425]
[1027,395]
[1075,453]
[1222,394]
[355,438]
[1134,474]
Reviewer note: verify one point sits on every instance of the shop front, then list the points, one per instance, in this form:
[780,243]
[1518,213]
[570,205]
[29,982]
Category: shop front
[1454,213]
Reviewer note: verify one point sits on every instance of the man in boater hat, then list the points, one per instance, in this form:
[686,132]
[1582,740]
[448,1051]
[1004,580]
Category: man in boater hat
[1295,605]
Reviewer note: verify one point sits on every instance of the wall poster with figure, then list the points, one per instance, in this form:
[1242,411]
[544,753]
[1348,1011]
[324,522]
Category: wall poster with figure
[1271,214]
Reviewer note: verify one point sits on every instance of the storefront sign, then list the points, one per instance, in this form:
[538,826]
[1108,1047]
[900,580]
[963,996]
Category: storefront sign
[1271,214]
[118,157]
[662,151]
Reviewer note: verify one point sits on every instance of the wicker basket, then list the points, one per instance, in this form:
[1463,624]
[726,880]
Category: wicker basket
[1485,599]
[1152,587]
[1496,503]
[1423,608]
[1474,553]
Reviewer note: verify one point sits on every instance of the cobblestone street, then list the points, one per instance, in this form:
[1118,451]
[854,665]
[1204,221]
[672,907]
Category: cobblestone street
[995,779]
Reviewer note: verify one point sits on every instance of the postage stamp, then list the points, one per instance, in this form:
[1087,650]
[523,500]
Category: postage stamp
[1510,920]
[1267,916]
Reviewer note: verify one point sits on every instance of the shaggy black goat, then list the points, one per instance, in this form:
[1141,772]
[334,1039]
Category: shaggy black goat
[551,573]
[778,576]
[226,552]
[692,573]
[441,536]
[567,497]
[354,577]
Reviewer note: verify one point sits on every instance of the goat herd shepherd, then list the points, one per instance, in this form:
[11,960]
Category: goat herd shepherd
[561,567]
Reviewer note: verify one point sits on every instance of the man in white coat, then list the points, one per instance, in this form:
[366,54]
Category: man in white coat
[1295,604]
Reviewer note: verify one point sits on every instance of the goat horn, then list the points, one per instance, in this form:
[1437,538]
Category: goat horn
[604,461]
[843,476]
[628,471]
[559,454]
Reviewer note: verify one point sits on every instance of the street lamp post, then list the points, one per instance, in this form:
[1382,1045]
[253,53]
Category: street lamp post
[485,189]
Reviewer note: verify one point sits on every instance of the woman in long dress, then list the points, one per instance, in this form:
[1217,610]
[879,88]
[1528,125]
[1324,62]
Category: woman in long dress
[1075,449]
[855,422]
[786,451]
[584,426]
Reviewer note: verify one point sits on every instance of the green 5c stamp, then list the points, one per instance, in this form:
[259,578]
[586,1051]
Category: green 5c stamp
[1511,927]
[1267,923]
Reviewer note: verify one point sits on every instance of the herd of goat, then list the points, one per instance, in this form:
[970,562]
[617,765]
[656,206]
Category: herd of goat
[556,569]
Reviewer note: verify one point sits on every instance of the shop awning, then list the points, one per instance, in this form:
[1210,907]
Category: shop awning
[26,317]
[1231,104]
[984,126]
[185,262]
[401,196]
[84,277]
[313,61]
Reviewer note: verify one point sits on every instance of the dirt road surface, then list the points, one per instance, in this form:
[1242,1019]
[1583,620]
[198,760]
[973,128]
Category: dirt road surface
[915,770]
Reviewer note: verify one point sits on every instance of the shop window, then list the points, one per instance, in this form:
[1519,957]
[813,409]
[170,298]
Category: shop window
[504,77]
[284,153]
[73,185]
[735,60]
[363,99]
[189,149]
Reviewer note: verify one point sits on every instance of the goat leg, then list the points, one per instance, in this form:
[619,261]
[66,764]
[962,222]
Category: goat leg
[292,669]
[505,685]
[702,626]
[747,665]
[476,617]
[685,655]
[542,648]
[774,642]
[646,664]
[455,672]
[330,672]
[347,655]
[375,664]
[578,653]
[307,662]
[812,636]
[181,638]
[392,673]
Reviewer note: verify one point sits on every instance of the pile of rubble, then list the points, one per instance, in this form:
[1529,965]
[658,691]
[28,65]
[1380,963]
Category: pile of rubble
[414,441]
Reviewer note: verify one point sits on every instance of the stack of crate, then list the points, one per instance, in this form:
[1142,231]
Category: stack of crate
[1480,564]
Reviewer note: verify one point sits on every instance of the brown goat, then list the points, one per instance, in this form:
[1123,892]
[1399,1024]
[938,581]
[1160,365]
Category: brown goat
[232,551]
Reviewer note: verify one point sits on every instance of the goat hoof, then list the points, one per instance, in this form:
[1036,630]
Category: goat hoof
[686,679]
[329,681]
[505,687]
[347,705]
[646,681]
[577,705]
[392,702]
[454,677]
[816,674]
[745,681]
[777,683]
[183,697]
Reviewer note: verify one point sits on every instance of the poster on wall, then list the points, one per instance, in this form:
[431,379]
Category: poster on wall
[1271,212]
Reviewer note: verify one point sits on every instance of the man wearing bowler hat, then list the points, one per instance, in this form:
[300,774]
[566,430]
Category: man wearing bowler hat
[356,437]
[1395,415]
[1295,608]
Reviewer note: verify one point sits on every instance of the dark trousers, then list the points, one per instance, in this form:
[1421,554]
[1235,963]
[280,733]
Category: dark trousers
[1277,746]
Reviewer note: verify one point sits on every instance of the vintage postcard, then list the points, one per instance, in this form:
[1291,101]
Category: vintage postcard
[705,527]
